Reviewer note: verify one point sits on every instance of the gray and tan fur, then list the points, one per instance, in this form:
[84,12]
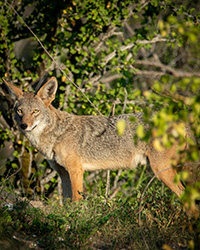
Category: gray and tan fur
[73,144]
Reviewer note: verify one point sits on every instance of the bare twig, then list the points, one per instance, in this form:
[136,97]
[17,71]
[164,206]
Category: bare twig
[48,178]
[125,100]
[115,188]
[114,193]
[60,191]
[108,184]
[8,177]
[105,36]
[165,68]
[107,193]
[149,73]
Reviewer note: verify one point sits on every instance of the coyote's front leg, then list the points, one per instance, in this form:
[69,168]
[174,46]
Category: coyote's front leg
[72,179]
[65,179]
[76,179]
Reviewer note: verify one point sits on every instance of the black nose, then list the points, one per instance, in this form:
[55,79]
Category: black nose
[23,126]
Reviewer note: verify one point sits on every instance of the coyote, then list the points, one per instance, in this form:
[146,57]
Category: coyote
[73,144]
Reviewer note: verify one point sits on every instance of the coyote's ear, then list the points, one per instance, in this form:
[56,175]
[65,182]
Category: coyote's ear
[48,90]
[14,92]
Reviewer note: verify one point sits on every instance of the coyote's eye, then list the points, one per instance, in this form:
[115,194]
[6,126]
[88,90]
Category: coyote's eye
[19,111]
[36,111]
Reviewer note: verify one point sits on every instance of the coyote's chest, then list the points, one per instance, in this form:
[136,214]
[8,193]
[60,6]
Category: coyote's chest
[41,143]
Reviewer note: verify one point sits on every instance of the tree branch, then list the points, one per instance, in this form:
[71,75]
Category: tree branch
[165,69]
[131,45]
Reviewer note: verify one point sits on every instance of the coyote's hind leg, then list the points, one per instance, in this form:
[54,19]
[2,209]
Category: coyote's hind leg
[167,174]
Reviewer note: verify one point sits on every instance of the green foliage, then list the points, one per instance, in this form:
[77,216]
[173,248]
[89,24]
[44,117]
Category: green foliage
[96,222]
[125,56]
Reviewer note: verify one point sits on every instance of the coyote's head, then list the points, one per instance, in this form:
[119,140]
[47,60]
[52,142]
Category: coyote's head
[31,108]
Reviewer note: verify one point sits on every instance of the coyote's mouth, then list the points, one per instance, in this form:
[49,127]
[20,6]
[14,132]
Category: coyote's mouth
[34,127]
[30,129]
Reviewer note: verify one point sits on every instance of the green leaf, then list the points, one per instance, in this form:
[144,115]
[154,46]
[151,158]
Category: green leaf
[121,124]
[140,131]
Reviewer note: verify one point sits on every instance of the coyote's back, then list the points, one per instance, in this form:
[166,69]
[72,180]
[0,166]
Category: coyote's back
[73,143]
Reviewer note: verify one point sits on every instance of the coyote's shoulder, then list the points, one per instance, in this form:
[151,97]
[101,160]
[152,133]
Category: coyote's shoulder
[73,144]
